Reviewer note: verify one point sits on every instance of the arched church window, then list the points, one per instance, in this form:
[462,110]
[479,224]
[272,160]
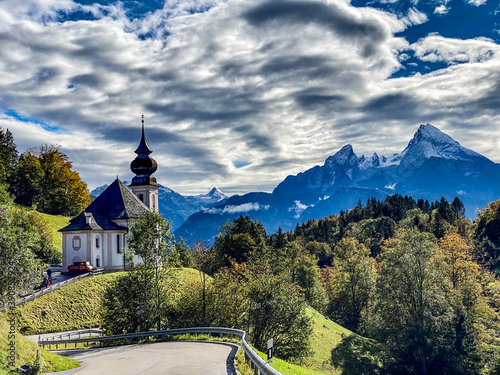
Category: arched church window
[77,243]
[118,248]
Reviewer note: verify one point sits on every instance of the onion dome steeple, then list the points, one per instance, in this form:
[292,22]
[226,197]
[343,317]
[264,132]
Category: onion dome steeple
[143,165]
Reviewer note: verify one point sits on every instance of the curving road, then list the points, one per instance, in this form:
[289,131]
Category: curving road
[171,357]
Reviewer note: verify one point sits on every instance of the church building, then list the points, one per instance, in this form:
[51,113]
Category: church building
[98,234]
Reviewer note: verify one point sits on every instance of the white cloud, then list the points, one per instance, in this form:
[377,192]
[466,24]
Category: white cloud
[436,48]
[241,208]
[220,81]
[415,17]
[442,9]
[477,2]
[298,208]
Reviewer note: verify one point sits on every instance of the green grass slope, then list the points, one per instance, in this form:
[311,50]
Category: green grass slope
[55,223]
[326,336]
[337,350]
[76,306]
[26,352]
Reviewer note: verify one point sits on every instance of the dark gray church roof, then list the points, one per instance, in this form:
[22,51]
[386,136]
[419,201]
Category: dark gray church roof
[89,221]
[116,202]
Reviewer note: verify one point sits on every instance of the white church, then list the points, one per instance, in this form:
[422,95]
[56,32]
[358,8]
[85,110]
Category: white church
[98,234]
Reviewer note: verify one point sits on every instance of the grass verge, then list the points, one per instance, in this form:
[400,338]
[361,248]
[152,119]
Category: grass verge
[26,352]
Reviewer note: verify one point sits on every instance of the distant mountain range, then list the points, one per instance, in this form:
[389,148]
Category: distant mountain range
[178,207]
[433,165]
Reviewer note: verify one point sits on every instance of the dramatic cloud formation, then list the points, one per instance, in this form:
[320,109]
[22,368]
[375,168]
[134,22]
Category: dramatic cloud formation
[240,93]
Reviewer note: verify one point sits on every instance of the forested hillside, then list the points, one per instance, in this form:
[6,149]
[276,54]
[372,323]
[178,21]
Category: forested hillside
[416,277]
[36,180]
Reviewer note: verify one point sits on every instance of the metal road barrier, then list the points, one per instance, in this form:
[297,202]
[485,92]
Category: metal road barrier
[44,291]
[257,362]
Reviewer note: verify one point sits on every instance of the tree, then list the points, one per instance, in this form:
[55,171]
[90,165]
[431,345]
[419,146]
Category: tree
[280,239]
[8,155]
[179,255]
[149,238]
[207,261]
[457,209]
[460,266]
[277,310]
[411,303]
[241,239]
[353,284]
[137,301]
[470,306]
[226,302]
[321,250]
[44,179]
[307,276]
[128,304]
[487,232]
[23,241]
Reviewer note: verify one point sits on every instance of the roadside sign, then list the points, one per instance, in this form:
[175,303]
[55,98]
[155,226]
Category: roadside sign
[270,350]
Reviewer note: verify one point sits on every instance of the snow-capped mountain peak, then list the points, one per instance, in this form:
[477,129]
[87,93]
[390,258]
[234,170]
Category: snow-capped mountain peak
[213,195]
[430,142]
[345,156]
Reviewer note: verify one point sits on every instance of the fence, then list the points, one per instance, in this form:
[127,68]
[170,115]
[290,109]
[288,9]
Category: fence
[257,362]
[44,291]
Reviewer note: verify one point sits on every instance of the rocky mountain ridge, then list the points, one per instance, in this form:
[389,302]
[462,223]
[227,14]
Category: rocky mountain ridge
[432,165]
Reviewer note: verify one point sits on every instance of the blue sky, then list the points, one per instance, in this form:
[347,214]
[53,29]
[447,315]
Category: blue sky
[239,94]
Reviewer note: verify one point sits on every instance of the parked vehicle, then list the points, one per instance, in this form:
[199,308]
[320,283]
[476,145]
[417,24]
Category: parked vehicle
[55,267]
[80,267]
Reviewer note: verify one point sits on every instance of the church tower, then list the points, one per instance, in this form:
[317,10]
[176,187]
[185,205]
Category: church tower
[143,185]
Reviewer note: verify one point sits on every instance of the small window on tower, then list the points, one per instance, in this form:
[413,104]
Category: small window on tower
[97,242]
[141,197]
[118,248]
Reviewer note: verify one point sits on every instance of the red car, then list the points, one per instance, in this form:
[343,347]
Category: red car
[81,267]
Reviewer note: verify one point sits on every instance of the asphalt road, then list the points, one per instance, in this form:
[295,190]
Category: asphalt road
[171,357]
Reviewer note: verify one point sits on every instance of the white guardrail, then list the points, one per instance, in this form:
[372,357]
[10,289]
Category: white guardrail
[262,366]
[44,291]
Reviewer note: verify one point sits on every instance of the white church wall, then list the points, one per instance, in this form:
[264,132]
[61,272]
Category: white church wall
[75,246]
[97,249]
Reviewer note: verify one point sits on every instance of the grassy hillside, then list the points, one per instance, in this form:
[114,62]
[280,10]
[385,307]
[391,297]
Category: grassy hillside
[326,336]
[55,223]
[26,352]
[351,353]
[76,305]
